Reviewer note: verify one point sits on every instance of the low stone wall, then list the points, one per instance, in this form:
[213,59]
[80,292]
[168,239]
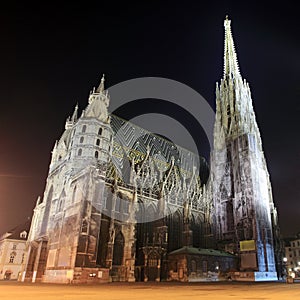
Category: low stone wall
[78,275]
[253,276]
[91,275]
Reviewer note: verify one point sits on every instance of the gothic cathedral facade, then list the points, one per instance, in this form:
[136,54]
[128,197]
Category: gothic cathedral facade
[114,207]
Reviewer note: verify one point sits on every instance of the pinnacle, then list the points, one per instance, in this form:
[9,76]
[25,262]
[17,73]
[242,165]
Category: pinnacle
[100,88]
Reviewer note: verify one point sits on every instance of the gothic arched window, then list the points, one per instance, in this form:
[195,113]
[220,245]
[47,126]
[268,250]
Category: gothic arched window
[96,154]
[61,202]
[175,230]
[118,249]
[47,211]
[74,193]
[196,229]
[84,128]
[81,139]
[79,152]
[98,142]
[100,131]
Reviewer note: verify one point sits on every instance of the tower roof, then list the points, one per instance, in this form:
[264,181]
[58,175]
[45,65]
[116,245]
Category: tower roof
[231,67]
[98,103]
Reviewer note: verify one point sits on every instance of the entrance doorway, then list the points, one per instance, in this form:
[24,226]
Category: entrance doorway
[7,275]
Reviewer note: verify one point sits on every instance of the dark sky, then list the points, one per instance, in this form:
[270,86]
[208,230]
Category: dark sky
[52,56]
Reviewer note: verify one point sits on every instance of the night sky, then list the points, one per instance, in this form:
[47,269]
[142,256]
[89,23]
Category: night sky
[52,56]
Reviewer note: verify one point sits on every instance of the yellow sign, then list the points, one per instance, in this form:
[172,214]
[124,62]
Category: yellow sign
[248,245]
[70,274]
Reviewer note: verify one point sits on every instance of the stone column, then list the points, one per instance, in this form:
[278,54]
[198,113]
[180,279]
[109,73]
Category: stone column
[36,261]
[110,244]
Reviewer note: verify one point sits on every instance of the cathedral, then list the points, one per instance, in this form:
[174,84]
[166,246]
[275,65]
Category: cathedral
[120,208]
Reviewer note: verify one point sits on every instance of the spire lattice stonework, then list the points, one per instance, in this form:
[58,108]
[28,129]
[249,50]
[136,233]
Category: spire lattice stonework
[242,192]
[231,67]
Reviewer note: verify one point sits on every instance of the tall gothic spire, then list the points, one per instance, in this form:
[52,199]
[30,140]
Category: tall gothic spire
[231,68]
[234,110]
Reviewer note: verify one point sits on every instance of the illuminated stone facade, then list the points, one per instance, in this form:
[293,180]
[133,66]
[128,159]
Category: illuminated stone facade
[115,204]
[242,194]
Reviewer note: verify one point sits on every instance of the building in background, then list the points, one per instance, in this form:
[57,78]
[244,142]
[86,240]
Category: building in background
[292,255]
[123,207]
[13,252]
[195,264]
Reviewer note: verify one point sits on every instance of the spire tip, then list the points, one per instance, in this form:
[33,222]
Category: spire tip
[231,67]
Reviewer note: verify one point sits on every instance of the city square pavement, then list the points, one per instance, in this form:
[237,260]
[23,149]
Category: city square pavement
[158,291]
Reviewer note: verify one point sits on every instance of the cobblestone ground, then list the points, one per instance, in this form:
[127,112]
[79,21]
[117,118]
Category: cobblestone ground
[158,291]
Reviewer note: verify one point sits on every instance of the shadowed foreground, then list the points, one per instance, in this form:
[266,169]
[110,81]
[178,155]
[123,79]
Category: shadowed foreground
[248,291]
